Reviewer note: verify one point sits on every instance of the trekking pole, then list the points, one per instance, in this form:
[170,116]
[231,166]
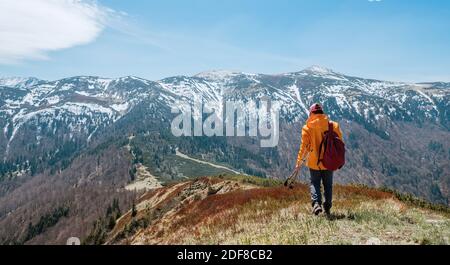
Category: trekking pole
[291,179]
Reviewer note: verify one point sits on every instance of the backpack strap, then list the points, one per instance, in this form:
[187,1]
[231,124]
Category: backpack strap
[320,152]
[330,127]
[330,130]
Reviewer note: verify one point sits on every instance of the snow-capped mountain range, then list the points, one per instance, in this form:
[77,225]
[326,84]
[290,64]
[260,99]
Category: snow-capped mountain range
[86,103]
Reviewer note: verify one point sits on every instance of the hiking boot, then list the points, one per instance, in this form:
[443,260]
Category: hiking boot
[328,211]
[317,209]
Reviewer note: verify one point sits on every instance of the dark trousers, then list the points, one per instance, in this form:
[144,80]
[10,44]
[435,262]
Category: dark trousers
[318,176]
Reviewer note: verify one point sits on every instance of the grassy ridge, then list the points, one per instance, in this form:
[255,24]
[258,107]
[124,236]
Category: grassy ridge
[235,209]
[277,215]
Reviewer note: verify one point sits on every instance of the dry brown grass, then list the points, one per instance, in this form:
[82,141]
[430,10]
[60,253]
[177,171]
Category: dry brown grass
[278,215]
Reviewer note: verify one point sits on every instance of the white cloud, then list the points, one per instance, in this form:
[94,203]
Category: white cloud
[31,28]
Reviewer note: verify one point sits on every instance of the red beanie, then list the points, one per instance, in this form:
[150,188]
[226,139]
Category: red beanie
[314,108]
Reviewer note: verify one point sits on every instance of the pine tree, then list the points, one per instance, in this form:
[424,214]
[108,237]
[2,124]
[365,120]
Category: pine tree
[111,222]
[133,210]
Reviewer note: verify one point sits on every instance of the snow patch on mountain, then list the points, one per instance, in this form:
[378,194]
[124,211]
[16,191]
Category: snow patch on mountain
[217,74]
[78,108]
[120,107]
[52,100]
[323,72]
[19,82]
[319,70]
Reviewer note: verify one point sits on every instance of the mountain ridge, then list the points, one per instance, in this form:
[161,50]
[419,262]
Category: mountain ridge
[313,68]
[247,210]
[89,137]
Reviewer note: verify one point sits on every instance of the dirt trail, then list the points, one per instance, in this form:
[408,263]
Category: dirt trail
[178,153]
[144,180]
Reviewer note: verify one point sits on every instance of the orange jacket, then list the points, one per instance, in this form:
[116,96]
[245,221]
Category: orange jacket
[312,134]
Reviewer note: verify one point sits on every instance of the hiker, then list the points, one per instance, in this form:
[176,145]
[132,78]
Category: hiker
[319,155]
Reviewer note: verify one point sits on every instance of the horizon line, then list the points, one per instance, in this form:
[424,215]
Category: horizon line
[310,68]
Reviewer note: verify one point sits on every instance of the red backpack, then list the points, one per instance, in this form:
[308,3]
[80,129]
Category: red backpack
[333,150]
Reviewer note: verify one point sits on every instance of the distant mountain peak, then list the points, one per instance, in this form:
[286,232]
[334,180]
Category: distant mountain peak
[316,69]
[19,82]
[218,74]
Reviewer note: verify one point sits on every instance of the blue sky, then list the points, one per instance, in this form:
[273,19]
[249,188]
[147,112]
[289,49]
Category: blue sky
[401,40]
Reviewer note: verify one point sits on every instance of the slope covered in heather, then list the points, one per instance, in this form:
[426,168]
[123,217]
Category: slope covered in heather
[248,210]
